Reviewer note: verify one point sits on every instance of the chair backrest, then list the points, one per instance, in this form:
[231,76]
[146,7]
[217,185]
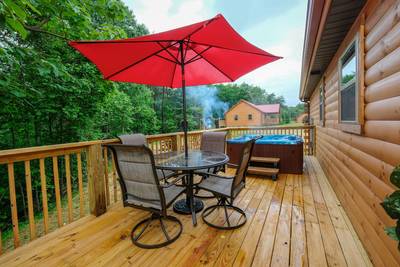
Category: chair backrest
[137,176]
[213,141]
[133,139]
[240,176]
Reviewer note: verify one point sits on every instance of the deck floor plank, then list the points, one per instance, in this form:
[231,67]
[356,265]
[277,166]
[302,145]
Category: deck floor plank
[295,221]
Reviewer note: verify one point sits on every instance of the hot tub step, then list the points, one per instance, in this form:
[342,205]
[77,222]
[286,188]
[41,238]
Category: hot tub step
[265,160]
[263,171]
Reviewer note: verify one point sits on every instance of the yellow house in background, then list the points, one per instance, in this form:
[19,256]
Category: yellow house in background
[245,113]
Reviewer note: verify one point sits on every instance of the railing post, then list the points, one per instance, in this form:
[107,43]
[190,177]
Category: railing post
[175,143]
[97,195]
[314,140]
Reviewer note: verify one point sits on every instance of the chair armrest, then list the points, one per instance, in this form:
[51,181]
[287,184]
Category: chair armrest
[173,182]
[215,175]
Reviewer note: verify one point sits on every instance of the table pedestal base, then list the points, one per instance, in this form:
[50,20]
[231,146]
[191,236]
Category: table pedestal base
[182,207]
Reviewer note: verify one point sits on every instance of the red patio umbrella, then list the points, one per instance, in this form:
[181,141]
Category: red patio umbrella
[206,52]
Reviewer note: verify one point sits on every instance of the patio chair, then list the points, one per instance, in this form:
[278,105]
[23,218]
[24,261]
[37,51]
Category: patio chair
[141,189]
[138,140]
[215,142]
[226,189]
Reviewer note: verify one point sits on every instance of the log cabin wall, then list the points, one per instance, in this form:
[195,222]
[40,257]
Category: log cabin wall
[358,166]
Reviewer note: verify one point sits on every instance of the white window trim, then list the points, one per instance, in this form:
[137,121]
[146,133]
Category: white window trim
[355,41]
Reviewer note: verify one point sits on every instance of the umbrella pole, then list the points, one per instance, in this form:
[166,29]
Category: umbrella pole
[184,123]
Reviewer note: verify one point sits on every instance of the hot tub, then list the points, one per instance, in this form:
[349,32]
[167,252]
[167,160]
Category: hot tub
[289,148]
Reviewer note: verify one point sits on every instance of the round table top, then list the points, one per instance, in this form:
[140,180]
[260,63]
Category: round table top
[197,159]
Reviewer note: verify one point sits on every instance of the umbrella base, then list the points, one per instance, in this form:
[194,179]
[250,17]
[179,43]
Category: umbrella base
[182,207]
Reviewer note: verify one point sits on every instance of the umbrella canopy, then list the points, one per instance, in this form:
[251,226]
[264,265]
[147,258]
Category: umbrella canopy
[203,53]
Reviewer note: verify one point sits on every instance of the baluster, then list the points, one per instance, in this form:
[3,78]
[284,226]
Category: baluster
[57,191]
[114,177]
[105,156]
[28,182]
[80,184]
[44,195]
[69,187]
[13,203]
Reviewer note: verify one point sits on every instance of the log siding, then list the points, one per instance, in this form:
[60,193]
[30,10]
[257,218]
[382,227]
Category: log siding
[358,166]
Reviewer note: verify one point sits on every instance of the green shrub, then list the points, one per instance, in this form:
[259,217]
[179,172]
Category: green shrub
[391,204]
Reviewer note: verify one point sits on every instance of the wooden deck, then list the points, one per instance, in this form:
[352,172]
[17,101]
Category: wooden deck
[295,221]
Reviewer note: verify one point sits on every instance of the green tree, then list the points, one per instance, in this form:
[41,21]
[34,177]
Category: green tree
[50,94]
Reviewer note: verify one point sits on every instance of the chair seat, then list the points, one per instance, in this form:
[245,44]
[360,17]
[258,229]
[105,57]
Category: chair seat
[217,185]
[170,193]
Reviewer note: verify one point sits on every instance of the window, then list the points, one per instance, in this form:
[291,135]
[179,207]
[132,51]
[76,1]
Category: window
[348,85]
[322,103]
[250,117]
[236,117]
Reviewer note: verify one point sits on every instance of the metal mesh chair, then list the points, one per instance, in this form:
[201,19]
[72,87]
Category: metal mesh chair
[133,139]
[215,142]
[226,189]
[141,189]
[139,140]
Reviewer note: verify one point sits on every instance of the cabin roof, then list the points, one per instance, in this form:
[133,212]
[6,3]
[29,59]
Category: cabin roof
[328,22]
[264,108]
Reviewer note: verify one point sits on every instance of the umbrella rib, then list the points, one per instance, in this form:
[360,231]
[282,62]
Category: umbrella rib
[166,58]
[197,56]
[166,49]
[186,49]
[173,75]
[137,62]
[120,41]
[201,27]
[212,64]
[145,41]
[237,50]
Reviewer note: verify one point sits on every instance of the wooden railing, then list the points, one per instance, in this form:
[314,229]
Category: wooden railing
[90,169]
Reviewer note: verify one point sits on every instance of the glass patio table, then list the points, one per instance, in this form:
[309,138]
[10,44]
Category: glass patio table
[196,160]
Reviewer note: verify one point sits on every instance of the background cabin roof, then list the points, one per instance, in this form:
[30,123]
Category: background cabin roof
[328,22]
[264,108]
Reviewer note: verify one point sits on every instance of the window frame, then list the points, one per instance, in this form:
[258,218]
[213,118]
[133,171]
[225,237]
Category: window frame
[250,117]
[236,117]
[351,126]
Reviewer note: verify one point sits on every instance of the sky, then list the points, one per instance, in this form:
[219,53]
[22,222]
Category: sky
[276,26]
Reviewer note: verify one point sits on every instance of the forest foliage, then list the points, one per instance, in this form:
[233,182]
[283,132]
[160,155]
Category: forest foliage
[50,94]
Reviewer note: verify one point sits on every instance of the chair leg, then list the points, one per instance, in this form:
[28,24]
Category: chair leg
[224,203]
[146,222]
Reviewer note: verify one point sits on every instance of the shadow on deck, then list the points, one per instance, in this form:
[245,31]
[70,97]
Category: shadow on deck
[295,221]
